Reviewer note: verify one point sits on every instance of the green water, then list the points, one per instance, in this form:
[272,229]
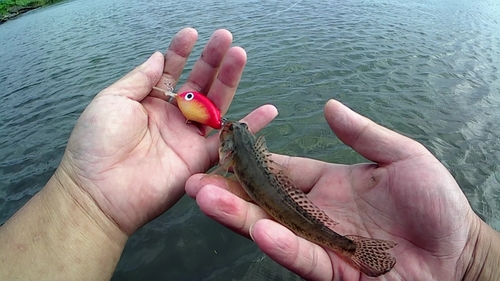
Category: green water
[428,69]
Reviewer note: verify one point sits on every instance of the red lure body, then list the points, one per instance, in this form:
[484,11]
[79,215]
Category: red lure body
[198,108]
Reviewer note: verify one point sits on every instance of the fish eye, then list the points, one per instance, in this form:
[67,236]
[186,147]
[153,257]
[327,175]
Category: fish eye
[189,96]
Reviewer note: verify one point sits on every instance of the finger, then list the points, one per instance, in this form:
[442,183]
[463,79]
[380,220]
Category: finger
[369,139]
[260,117]
[306,259]
[137,84]
[207,66]
[176,57]
[224,87]
[256,120]
[227,208]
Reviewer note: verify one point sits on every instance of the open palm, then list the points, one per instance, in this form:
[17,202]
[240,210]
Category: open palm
[132,152]
[407,196]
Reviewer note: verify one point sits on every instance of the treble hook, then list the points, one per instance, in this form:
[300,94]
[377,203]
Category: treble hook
[169,91]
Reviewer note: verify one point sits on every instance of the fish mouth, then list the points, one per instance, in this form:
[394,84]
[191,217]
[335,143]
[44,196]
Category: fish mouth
[226,130]
[223,121]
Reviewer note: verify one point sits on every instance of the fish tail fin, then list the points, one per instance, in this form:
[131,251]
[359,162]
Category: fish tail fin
[371,256]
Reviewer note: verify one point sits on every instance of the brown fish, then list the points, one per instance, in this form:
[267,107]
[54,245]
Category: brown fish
[269,187]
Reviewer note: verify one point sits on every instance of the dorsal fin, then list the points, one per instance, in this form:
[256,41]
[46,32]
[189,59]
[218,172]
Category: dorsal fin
[262,152]
[260,145]
[298,196]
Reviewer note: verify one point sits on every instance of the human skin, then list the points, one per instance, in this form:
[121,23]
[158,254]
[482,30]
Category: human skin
[126,162]
[405,195]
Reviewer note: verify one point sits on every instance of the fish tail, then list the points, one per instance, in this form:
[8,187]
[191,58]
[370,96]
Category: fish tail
[371,256]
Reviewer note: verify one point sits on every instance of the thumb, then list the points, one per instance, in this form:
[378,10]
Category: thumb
[306,259]
[138,83]
[372,141]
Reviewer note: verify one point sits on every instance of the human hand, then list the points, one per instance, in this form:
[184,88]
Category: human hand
[132,152]
[406,196]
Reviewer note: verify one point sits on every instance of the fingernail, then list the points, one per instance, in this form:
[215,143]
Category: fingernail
[250,232]
[155,57]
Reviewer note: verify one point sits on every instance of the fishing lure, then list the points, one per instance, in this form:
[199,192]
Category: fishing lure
[196,107]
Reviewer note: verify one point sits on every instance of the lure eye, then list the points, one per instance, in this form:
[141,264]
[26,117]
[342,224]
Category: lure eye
[189,96]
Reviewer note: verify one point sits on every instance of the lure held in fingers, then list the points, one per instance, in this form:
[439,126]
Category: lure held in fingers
[196,107]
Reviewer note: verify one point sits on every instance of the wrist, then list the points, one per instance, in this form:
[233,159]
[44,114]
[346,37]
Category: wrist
[85,205]
[64,231]
[485,258]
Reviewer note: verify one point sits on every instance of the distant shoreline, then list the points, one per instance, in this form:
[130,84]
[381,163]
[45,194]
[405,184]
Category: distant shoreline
[12,11]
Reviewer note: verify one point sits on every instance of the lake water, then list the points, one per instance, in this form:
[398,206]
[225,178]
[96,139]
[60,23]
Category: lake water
[426,68]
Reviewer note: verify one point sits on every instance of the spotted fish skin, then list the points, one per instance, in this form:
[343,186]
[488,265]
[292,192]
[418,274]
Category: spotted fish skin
[269,187]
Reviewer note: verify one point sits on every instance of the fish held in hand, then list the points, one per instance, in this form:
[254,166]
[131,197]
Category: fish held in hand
[196,107]
[269,187]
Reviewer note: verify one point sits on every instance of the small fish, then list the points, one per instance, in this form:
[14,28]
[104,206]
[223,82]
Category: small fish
[197,107]
[268,186]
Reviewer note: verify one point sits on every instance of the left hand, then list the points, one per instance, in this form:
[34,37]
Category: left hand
[132,152]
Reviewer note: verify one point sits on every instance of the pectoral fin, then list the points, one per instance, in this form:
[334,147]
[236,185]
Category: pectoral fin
[234,186]
[231,182]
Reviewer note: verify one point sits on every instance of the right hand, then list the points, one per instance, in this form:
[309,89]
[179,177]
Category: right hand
[407,196]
